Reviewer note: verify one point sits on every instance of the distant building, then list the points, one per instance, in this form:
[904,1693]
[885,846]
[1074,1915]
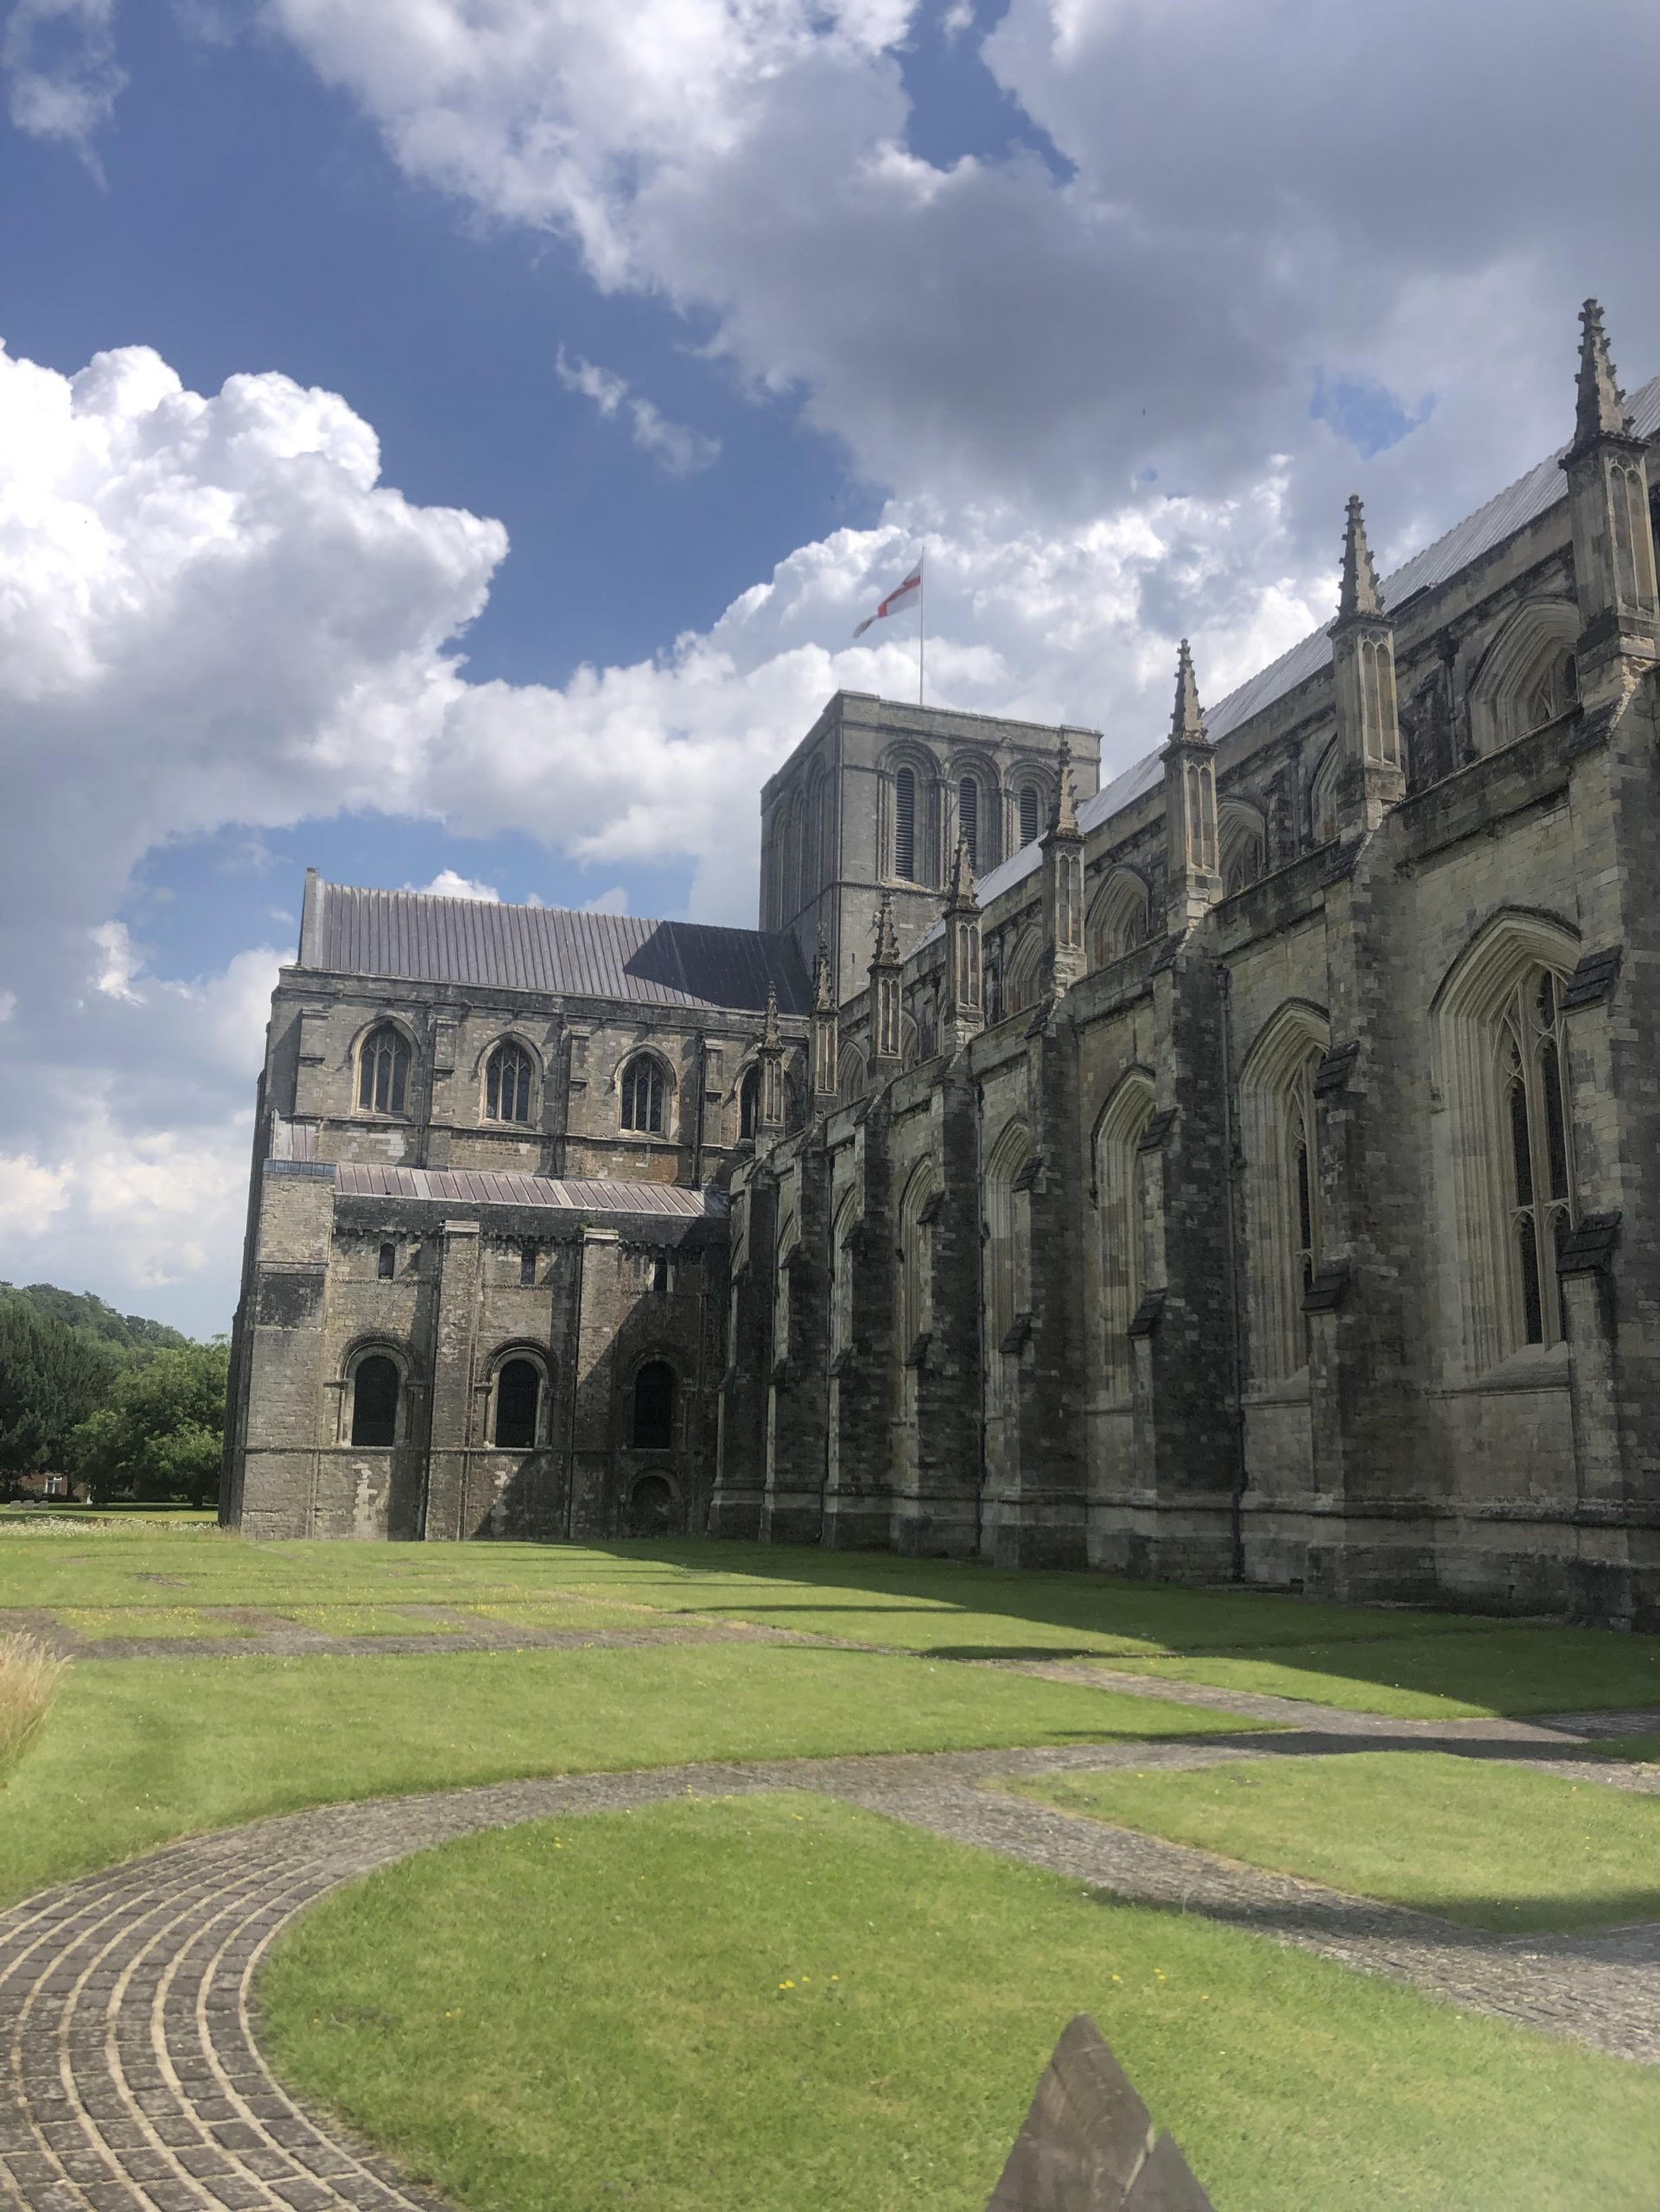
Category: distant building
[1247,1169]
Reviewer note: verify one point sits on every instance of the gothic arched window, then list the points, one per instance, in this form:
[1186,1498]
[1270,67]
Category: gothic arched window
[643,1089]
[1244,849]
[1121,1175]
[1538,1186]
[904,824]
[748,1102]
[1118,919]
[916,1257]
[518,1403]
[653,1429]
[507,1084]
[1282,1204]
[1007,1240]
[384,1071]
[374,1401]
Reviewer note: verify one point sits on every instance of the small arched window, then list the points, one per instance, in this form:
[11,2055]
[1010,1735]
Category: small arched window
[642,1094]
[967,818]
[650,1506]
[1030,814]
[374,1402]
[654,1407]
[383,1071]
[748,1103]
[507,1084]
[904,824]
[518,1401]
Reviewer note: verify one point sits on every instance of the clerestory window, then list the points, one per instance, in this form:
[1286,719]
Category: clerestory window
[507,1084]
[643,1090]
[383,1071]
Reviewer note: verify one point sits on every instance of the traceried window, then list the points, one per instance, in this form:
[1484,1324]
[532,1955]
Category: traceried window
[1122,1203]
[374,1402]
[507,1084]
[383,1071]
[1243,849]
[1282,1202]
[653,1429]
[1554,694]
[643,1090]
[518,1403]
[904,824]
[1538,1170]
[1007,1242]
[916,1257]
[1118,919]
[1031,813]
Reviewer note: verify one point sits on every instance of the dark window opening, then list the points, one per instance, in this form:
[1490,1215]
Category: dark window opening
[527,1265]
[748,1103]
[642,1096]
[660,1282]
[654,1407]
[374,1402]
[1029,814]
[968,818]
[383,1071]
[507,1084]
[905,825]
[388,1265]
[519,1398]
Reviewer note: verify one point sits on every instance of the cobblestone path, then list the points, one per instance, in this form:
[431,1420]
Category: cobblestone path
[133,2080]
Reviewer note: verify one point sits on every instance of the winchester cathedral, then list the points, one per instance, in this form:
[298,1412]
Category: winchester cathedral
[1248,1169]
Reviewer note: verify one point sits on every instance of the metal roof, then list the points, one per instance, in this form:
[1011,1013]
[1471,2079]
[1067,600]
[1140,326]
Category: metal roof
[470,1186]
[416,936]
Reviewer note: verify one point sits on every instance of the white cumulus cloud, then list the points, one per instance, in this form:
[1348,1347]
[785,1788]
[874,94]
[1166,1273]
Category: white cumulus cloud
[678,450]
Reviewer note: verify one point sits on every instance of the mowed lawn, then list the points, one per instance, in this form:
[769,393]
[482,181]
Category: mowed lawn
[140,1581]
[1491,1846]
[751,2005]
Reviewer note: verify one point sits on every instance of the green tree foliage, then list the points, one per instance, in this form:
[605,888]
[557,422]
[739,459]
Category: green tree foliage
[90,1317]
[52,1378]
[159,1435]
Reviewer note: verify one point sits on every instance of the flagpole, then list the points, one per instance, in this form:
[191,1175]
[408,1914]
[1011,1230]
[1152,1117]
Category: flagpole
[922,617]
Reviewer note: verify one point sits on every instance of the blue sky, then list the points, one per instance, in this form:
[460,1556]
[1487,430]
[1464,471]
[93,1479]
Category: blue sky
[459,444]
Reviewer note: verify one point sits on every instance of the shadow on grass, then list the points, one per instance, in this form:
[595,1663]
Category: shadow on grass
[1610,1929]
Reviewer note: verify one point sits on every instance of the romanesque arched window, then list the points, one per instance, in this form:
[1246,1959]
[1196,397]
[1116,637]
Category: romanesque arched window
[517,1404]
[1031,807]
[904,824]
[654,1391]
[1508,1155]
[1245,847]
[384,1071]
[1118,918]
[1282,1204]
[968,818]
[644,1090]
[1124,1227]
[508,1082]
[376,1389]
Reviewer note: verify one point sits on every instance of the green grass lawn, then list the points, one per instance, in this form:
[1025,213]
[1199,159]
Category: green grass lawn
[106,1623]
[1363,1658]
[750,2005]
[138,1752]
[1487,1845]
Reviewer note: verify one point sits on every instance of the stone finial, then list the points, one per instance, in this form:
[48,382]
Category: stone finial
[1358,594]
[1601,407]
[1065,821]
[823,996]
[772,1040]
[1187,723]
[961,897]
[887,952]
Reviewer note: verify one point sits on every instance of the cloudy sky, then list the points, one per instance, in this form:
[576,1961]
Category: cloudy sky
[450,442]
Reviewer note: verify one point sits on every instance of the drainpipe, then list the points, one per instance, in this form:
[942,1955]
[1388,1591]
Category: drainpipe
[1235,1311]
[574,1362]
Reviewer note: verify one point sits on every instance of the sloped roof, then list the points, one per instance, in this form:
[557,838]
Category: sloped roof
[415,936]
[476,1187]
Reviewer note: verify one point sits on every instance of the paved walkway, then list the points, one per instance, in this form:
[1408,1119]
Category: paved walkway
[133,2080]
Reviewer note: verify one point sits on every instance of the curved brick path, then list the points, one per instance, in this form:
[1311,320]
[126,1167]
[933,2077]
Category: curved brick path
[132,2078]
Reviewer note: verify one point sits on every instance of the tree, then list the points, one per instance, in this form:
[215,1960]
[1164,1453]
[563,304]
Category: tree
[161,1432]
[52,1378]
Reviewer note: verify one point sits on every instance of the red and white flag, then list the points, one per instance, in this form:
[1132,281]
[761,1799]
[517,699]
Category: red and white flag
[900,596]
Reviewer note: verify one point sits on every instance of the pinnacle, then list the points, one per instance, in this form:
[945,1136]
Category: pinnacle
[1358,594]
[960,897]
[1187,723]
[771,1041]
[887,953]
[1602,402]
[1064,822]
[821,976]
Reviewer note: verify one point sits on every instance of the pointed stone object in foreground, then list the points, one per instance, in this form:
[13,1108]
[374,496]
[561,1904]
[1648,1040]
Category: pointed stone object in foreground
[1601,407]
[1358,593]
[1089,2144]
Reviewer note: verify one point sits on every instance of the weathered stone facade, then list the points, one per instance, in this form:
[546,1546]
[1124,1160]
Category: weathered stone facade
[1248,1175]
